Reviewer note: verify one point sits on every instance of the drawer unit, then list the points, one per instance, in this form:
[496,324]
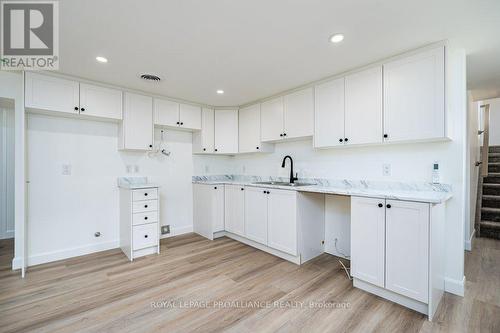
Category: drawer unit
[145,194]
[139,221]
[143,218]
[144,206]
[145,235]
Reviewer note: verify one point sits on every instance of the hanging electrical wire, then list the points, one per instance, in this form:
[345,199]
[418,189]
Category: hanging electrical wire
[161,148]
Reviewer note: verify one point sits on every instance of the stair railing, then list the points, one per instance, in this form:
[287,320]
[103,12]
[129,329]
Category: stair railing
[486,140]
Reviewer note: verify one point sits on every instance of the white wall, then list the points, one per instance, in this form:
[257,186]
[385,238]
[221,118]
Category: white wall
[66,210]
[7,156]
[494,120]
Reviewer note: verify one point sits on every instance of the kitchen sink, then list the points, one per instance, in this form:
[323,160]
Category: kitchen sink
[283,183]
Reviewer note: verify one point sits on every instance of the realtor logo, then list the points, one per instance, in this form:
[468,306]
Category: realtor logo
[30,36]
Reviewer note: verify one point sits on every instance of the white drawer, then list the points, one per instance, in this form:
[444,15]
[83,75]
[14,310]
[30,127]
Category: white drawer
[145,235]
[146,217]
[144,206]
[145,194]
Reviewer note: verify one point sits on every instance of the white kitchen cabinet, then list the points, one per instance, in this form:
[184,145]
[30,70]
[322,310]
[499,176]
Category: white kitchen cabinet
[208,209]
[173,114]
[329,114]
[249,131]
[256,209]
[234,209]
[48,93]
[414,101]
[166,112]
[226,131]
[203,141]
[271,120]
[139,221]
[299,114]
[407,249]
[136,130]
[368,239]
[363,107]
[190,117]
[282,220]
[99,101]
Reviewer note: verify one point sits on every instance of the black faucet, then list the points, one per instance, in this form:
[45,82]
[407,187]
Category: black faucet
[292,178]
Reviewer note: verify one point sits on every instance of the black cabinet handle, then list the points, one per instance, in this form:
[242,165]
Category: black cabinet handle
[204,149]
[268,192]
[178,123]
[265,192]
[215,149]
[146,194]
[380,205]
[76,108]
[346,139]
[182,123]
[341,140]
[257,148]
[242,188]
[284,134]
[388,206]
[145,206]
[150,146]
[215,187]
[281,134]
[145,217]
[82,109]
[386,136]
[145,236]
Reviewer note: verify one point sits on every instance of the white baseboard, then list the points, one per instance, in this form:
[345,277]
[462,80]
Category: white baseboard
[469,242]
[455,287]
[46,257]
[178,231]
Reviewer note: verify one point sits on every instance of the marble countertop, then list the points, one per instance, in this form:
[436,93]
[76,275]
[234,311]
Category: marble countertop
[135,183]
[420,192]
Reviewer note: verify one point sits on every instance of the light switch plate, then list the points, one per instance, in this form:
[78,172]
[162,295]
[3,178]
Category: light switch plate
[386,169]
[165,229]
[66,169]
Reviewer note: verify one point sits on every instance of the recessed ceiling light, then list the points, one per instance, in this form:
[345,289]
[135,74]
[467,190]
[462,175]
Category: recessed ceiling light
[220,91]
[101,59]
[336,38]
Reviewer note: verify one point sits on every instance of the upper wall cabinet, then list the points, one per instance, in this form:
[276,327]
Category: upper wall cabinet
[226,131]
[288,117]
[329,114]
[363,107]
[50,93]
[136,130]
[249,131]
[100,102]
[184,116]
[53,94]
[414,101]
[203,141]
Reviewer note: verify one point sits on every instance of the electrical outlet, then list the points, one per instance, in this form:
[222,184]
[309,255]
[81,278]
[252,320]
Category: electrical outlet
[136,168]
[66,169]
[129,168]
[165,229]
[386,169]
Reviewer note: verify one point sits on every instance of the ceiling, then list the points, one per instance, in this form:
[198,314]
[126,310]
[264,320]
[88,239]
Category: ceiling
[258,48]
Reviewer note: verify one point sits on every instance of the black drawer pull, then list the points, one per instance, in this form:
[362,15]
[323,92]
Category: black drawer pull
[145,236]
[380,205]
[145,217]
[146,194]
[145,206]
[388,206]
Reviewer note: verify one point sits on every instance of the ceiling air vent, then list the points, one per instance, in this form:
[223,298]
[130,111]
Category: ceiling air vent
[150,77]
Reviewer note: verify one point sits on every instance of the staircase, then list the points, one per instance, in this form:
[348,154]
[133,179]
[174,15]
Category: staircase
[489,225]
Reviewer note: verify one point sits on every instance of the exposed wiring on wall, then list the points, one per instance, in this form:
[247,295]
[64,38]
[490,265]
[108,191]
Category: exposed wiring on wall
[161,149]
[346,269]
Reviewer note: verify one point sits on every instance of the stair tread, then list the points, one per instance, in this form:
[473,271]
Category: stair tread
[490,224]
[493,174]
[491,185]
[491,197]
[491,209]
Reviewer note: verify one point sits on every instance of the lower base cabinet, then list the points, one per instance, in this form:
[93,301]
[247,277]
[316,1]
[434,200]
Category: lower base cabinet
[256,214]
[395,246]
[234,209]
[208,209]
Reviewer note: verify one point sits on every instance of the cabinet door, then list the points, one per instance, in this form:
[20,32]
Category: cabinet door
[363,107]
[202,210]
[282,221]
[299,114]
[218,208]
[52,93]
[329,114]
[256,214]
[166,112]
[414,97]
[190,117]
[407,249]
[271,120]
[138,122]
[249,129]
[203,141]
[234,209]
[100,102]
[368,239]
[226,131]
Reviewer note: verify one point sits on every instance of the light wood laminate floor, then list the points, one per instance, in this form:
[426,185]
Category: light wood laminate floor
[104,292]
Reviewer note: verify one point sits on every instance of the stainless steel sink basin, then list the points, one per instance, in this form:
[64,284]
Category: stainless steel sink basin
[283,183]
